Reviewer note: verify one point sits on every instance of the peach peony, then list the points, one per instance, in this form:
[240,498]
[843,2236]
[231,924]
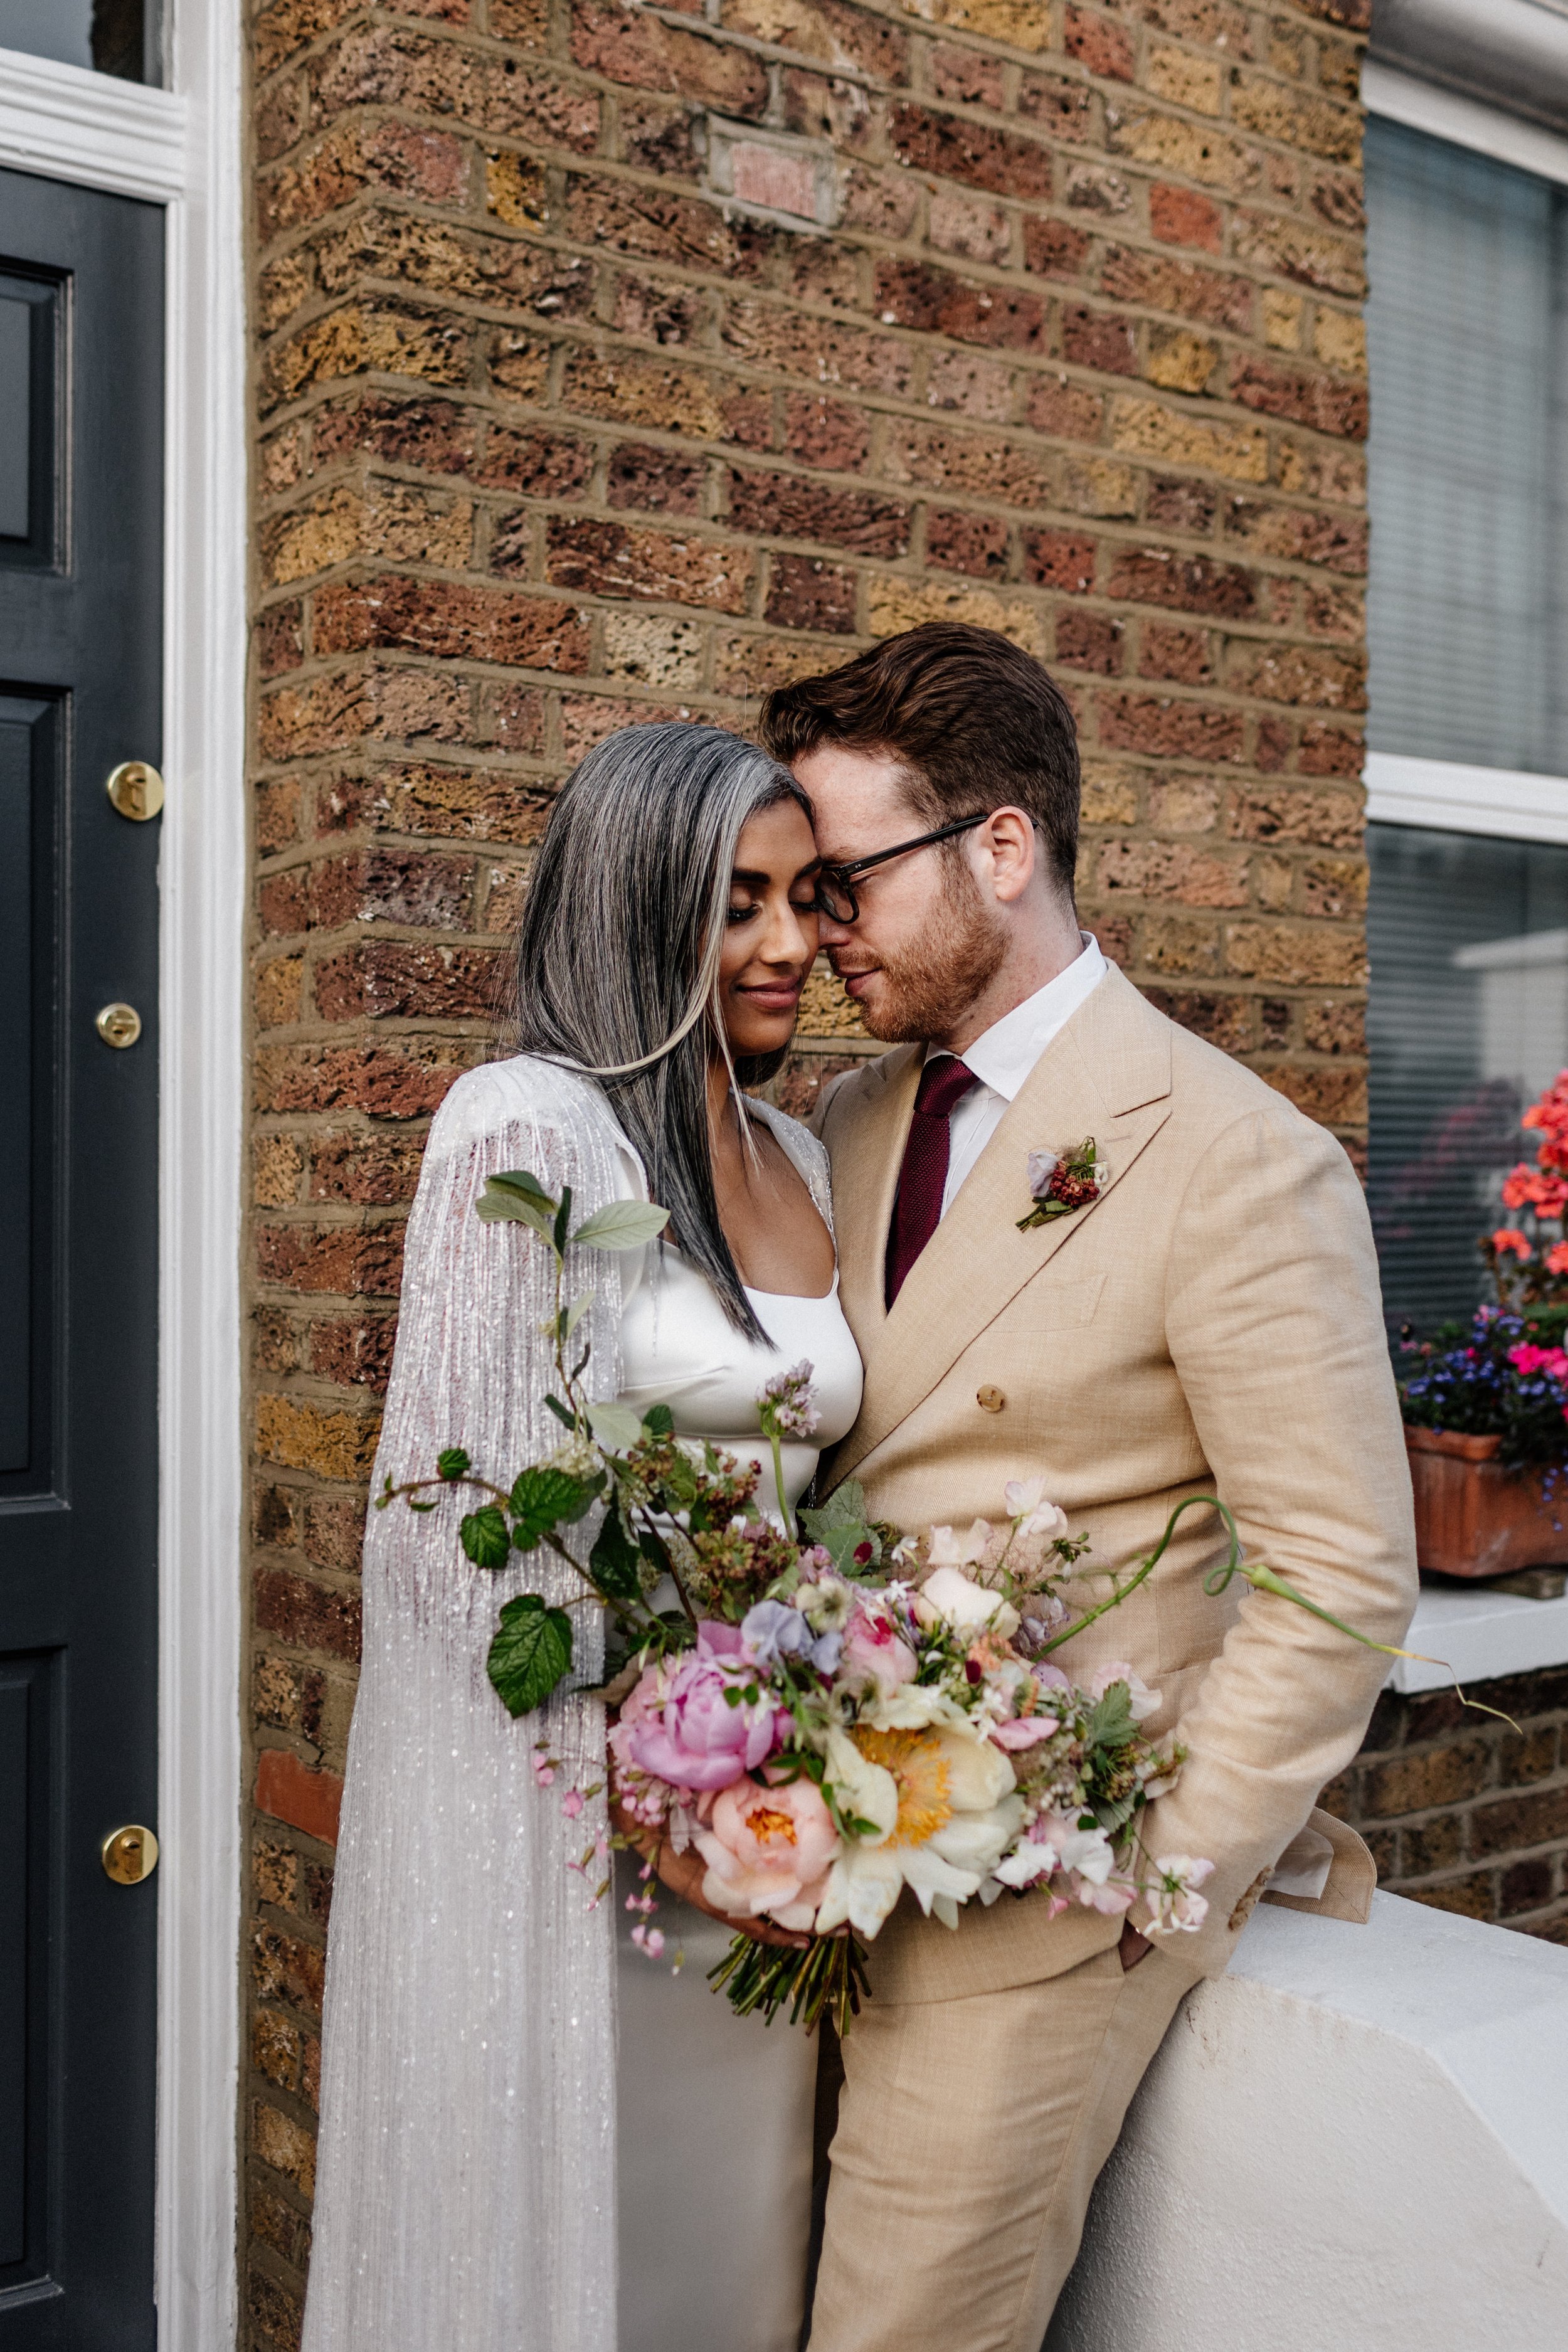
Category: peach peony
[768,1849]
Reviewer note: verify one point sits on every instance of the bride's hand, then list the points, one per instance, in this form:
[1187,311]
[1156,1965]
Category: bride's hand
[683,1874]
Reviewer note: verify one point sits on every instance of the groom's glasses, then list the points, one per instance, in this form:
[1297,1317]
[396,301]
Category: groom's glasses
[836,896]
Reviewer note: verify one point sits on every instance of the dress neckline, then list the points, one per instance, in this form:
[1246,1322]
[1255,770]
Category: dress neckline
[807,1298]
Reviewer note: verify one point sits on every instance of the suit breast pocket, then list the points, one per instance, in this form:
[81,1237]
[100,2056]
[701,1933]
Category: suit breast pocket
[1063,1306]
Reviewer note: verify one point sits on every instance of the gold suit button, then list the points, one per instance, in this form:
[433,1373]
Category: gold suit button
[989,1400]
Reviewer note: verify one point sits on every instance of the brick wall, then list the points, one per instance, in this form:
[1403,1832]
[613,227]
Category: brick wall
[612,362]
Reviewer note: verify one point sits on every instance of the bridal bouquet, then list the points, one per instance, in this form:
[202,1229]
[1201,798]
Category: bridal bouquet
[827,1711]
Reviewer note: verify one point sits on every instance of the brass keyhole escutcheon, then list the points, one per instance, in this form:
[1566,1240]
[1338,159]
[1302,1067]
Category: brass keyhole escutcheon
[130,1855]
[135,790]
[118,1024]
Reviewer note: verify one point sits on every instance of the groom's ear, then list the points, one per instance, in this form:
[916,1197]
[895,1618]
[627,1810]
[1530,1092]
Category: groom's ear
[1008,853]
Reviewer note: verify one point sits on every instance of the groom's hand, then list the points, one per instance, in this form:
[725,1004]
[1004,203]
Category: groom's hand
[1132,1947]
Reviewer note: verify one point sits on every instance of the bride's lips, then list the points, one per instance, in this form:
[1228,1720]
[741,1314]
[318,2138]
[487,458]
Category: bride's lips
[784,998]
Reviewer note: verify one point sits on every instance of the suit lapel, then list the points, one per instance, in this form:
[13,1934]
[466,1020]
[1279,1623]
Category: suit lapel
[1107,1074]
[865,1178]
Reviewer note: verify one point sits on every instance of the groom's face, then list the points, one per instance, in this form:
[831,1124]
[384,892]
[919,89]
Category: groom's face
[925,942]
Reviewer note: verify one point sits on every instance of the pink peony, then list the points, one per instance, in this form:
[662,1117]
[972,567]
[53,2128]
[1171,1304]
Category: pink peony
[873,1645]
[768,1850]
[696,1738]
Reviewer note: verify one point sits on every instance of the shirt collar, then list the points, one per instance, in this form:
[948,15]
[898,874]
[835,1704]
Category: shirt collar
[1002,1055]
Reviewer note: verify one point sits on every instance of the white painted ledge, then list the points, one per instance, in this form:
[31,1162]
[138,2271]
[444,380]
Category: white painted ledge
[1446,796]
[1481,1634]
[1356,2141]
[91,128]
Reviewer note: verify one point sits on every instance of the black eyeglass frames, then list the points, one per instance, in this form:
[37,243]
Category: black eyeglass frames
[836,896]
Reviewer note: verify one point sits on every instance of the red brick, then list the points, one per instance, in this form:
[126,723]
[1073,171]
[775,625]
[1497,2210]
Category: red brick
[1068,411]
[1190,583]
[391,886]
[1054,248]
[1099,339]
[1535,1819]
[1180,216]
[1168,729]
[283,1967]
[974,543]
[290,1791]
[354,1352]
[1223,1020]
[309,1617]
[1324,402]
[915,294]
[1059,559]
[536,465]
[782,506]
[611,560]
[826,433]
[365,1168]
[383,979]
[625,47]
[385,1081]
[1065,107]
[1091,641]
[449,619]
[336,1259]
[1331,752]
[1180,655]
[1103,47]
[1130,275]
[807,594]
[977,153]
[281,638]
[659,481]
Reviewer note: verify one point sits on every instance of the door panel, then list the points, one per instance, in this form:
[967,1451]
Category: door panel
[80,666]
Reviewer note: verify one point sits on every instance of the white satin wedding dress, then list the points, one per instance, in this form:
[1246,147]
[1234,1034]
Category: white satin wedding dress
[472,2110]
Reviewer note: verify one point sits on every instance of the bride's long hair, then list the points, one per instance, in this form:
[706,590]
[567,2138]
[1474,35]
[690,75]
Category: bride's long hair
[617,957]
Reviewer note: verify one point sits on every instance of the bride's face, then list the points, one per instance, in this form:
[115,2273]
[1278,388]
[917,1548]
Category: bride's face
[770,931]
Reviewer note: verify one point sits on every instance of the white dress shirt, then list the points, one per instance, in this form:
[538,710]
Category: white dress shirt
[1002,1055]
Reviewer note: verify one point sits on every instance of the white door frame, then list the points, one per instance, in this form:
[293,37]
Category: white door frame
[182,148]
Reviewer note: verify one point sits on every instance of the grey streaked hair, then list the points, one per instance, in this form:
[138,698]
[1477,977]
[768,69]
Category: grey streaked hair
[617,957]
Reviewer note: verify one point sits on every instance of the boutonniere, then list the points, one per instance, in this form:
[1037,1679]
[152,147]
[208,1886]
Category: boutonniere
[1061,1182]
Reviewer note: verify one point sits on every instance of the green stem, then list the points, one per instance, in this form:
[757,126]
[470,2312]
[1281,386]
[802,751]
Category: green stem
[785,1513]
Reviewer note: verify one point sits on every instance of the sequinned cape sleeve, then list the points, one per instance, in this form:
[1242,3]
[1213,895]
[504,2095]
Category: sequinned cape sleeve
[466,2154]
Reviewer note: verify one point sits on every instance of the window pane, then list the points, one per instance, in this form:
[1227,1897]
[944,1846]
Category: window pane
[1468,1022]
[112,36]
[1467,473]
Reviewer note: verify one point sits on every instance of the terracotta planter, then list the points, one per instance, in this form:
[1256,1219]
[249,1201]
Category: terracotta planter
[1473,1518]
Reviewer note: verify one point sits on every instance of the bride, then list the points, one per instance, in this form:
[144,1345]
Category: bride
[475,2112]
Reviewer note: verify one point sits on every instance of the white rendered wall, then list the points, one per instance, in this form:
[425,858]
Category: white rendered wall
[1355,2141]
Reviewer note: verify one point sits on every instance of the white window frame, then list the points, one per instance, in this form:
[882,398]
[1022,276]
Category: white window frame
[182,147]
[1482,1634]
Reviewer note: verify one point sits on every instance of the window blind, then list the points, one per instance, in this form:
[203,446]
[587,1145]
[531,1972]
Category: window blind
[1468,594]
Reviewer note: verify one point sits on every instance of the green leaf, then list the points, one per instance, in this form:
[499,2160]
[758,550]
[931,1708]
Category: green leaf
[572,1315]
[846,1506]
[1111,1725]
[541,1498]
[658,1421]
[615,1561]
[531,1651]
[563,1221]
[500,1200]
[524,1180]
[422,1506]
[622,1225]
[452,1463]
[559,1410]
[616,1426]
[843,1530]
[483,1535]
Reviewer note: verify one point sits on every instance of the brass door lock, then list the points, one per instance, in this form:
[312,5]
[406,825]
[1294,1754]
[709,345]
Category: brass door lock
[135,790]
[119,1025]
[128,1855]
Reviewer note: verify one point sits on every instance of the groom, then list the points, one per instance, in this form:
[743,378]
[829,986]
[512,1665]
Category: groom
[1204,1320]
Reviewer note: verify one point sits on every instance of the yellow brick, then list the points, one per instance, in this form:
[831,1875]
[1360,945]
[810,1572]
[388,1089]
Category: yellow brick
[1186,80]
[281,2143]
[1176,146]
[1273,878]
[1144,429]
[1182,807]
[662,653]
[641,392]
[1282,319]
[1300,955]
[327,531]
[894,603]
[1180,360]
[308,1437]
[277,1172]
[515,190]
[825,1011]
[1341,341]
[412,526]
[1095,487]
[278,985]
[1022,24]
[1110,794]
[1179,944]
[1296,119]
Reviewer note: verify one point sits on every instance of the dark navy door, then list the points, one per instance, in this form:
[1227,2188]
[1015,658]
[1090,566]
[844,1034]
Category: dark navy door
[80,664]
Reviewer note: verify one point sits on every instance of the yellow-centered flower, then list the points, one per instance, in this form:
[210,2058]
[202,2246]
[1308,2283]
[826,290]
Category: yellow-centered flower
[920,1776]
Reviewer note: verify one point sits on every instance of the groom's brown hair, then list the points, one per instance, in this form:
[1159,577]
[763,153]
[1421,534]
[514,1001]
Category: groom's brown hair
[978,724]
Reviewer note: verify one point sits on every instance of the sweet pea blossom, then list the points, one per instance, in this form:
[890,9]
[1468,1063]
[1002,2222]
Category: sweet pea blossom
[949,1549]
[873,1645]
[1025,1501]
[692,1736]
[1042,1167]
[1174,1904]
[768,1849]
[772,1630]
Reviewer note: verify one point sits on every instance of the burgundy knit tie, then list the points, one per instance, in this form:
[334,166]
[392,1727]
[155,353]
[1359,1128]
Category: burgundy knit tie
[922,1179]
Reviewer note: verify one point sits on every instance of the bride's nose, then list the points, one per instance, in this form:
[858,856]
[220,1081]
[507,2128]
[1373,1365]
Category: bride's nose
[791,935]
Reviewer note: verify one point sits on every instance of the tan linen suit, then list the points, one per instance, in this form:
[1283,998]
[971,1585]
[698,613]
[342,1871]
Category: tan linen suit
[1210,1324]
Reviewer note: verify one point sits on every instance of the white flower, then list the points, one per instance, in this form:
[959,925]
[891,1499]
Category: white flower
[1174,1905]
[1043,1166]
[1088,1852]
[1026,1500]
[969,1608]
[956,1813]
[1032,1858]
[826,1605]
[950,1550]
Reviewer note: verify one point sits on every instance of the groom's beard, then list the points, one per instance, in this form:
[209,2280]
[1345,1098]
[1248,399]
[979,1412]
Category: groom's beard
[923,992]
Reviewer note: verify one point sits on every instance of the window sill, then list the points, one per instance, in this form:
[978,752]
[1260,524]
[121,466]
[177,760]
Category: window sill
[1479,1635]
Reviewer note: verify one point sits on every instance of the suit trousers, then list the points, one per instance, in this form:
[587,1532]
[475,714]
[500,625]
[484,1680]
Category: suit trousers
[969,2134]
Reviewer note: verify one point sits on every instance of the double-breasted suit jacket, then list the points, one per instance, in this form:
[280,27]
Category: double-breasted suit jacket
[1210,1324]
